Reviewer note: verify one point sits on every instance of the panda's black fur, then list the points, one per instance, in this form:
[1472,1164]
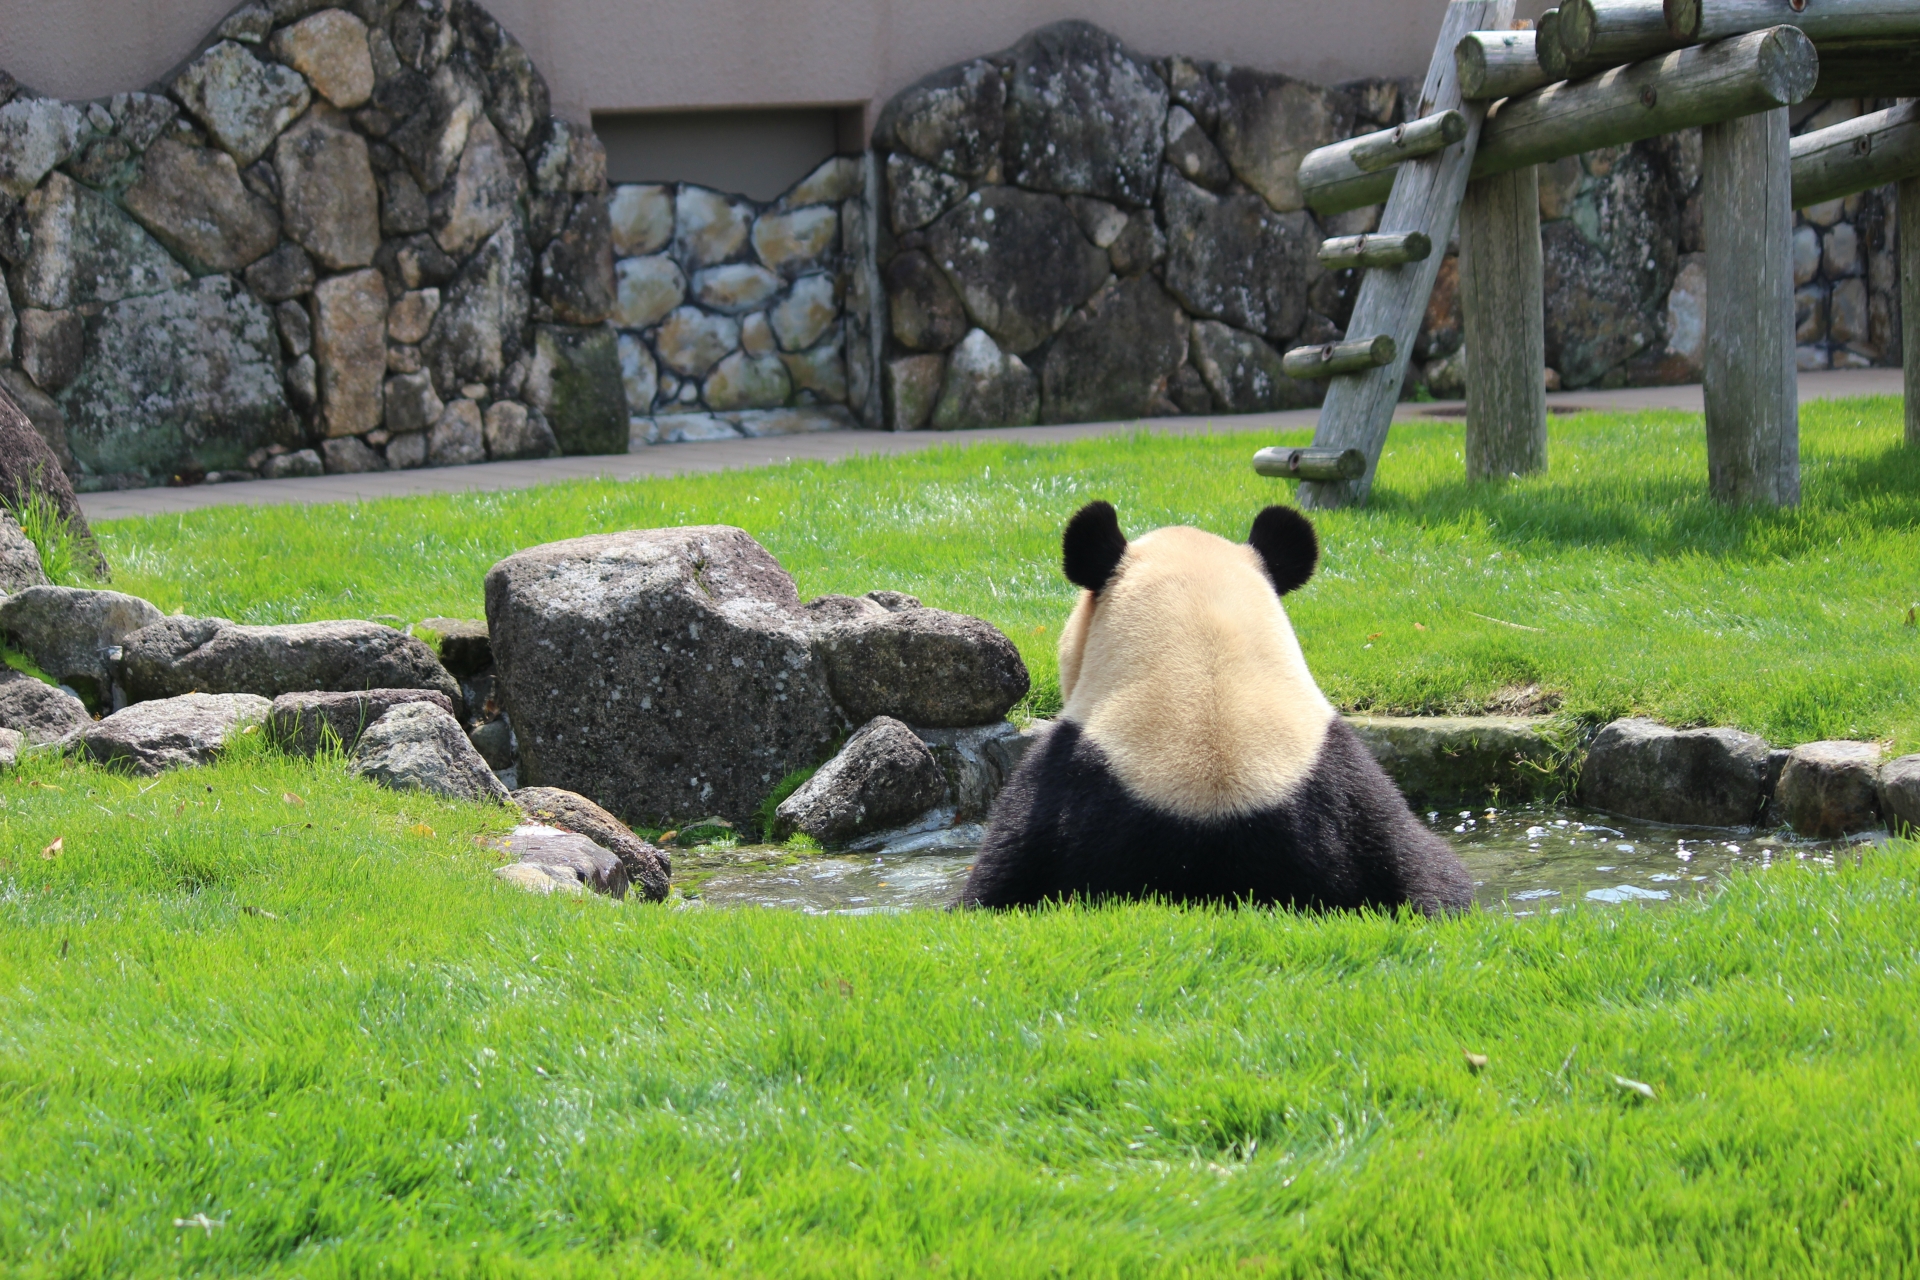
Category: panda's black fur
[1067,825]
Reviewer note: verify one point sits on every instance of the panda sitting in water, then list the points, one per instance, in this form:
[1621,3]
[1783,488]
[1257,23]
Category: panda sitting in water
[1195,759]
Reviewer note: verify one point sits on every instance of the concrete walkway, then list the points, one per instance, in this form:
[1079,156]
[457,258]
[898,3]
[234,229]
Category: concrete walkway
[725,455]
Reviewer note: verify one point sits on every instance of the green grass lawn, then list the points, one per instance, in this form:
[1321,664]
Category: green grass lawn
[297,1015]
[1646,595]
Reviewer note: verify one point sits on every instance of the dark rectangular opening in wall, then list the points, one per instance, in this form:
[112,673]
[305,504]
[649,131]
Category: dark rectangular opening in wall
[755,152]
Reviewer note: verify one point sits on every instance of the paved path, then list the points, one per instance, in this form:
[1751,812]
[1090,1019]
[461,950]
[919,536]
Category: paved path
[724,455]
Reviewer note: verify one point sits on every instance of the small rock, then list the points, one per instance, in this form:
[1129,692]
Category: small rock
[647,866]
[407,452]
[913,388]
[171,733]
[243,102]
[403,205]
[921,193]
[329,48]
[1243,374]
[10,744]
[488,181]
[301,723]
[512,431]
[709,228]
[884,777]
[797,242]
[35,135]
[922,308]
[808,310]
[285,273]
[1899,787]
[177,654]
[551,860]
[20,566]
[411,403]
[642,219]
[70,632]
[924,666]
[1444,759]
[742,381]
[295,324]
[409,319]
[51,344]
[835,180]
[986,387]
[289,466]
[736,288]
[638,374]
[349,456]
[690,342]
[193,200]
[37,710]
[977,763]
[1830,789]
[823,371]
[350,346]
[646,290]
[1191,152]
[417,746]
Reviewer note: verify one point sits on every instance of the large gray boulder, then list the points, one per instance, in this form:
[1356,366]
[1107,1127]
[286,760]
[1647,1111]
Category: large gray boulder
[301,723]
[1830,789]
[20,566]
[193,200]
[884,777]
[176,655]
[1019,262]
[172,733]
[977,763]
[665,673]
[548,860]
[418,746]
[1233,258]
[30,467]
[1114,358]
[1689,777]
[1899,791]
[70,633]
[1085,115]
[928,667]
[647,865]
[186,378]
[38,710]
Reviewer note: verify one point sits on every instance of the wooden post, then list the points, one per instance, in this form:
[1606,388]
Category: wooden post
[1907,232]
[1502,310]
[1752,390]
[1426,198]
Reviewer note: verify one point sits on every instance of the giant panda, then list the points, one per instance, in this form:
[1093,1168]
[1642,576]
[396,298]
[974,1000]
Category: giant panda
[1194,758]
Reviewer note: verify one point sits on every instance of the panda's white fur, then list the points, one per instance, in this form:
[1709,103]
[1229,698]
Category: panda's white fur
[1195,757]
[1187,675]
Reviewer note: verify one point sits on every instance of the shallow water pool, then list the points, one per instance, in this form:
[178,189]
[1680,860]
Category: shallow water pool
[1523,861]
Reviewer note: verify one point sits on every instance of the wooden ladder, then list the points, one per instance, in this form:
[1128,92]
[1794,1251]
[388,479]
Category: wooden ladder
[1402,260]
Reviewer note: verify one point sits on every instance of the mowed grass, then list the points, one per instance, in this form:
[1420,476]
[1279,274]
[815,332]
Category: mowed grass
[233,1043]
[1612,582]
[262,1019]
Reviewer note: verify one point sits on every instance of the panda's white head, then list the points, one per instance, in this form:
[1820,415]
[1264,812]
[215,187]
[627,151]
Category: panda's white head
[1179,663]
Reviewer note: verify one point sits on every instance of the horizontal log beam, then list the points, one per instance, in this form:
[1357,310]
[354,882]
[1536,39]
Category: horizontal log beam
[1311,464]
[1702,21]
[1696,86]
[1863,153]
[1374,250]
[1335,358]
[1359,171]
[1612,33]
[1497,64]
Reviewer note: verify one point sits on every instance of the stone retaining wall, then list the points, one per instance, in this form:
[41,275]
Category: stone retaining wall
[350,241]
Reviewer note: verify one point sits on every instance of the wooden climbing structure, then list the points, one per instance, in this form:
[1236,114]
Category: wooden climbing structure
[1599,73]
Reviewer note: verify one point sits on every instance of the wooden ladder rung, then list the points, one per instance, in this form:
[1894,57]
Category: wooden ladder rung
[1356,356]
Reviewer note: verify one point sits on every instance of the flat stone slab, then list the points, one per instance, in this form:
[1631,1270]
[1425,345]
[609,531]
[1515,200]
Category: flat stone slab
[1444,759]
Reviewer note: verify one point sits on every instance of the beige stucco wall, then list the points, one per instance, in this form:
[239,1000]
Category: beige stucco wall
[620,55]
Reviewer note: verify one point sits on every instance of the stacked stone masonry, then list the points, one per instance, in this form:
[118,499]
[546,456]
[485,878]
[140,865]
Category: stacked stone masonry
[354,238]
[339,239]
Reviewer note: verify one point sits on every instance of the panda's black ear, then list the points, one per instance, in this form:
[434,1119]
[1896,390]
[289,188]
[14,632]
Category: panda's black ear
[1287,546]
[1091,547]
